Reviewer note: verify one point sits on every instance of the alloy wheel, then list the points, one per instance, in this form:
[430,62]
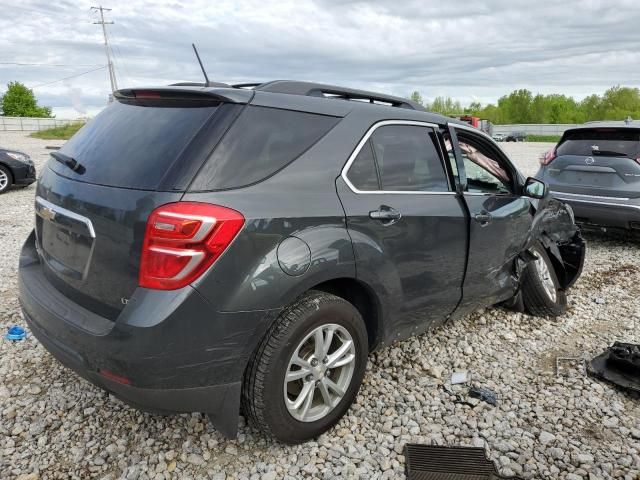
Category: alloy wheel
[319,372]
[545,277]
[4,180]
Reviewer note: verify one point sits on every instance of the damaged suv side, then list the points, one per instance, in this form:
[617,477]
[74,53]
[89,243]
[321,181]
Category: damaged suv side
[249,246]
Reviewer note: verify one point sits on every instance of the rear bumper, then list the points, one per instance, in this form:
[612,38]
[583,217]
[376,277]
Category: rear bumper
[173,350]
[219,401]
[603,211]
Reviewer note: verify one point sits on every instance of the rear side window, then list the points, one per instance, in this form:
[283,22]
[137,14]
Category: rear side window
[132,146]
[362,173]
[408,159]
[260,142]
[601,141]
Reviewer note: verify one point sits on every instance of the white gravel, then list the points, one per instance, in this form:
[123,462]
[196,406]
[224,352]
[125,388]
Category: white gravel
[54,425]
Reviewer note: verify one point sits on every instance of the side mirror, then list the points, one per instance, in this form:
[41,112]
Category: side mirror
[535,188]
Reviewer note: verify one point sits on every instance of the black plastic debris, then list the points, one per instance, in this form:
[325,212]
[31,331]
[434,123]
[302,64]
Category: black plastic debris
[433,462]
[484,394]
[619,364]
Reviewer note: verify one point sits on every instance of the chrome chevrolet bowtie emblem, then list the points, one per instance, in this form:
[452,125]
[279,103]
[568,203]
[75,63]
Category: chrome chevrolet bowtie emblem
[47,213]
[589,160]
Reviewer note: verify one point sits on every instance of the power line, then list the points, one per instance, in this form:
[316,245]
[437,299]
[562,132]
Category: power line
[70,76]
[112,73]
[51,64]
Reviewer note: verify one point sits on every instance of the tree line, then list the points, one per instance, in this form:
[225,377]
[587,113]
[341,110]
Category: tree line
[522,106]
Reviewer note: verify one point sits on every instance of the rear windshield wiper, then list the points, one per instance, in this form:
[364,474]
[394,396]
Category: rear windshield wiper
[609,153]
[68,161]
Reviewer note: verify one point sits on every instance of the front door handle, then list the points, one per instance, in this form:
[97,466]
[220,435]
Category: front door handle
[385,214]
[483,219]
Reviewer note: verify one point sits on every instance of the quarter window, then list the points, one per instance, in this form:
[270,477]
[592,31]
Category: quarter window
[260,142]
[408,159]
[363,174]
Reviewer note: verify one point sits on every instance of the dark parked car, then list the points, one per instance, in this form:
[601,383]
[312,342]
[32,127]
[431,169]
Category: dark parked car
[199,248]
[596,169]
[516,137]
[16,168]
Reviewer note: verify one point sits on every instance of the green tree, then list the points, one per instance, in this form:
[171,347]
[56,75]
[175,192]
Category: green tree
[619,103]
[446,106]
[516,106]
[416,97]
[19,101]
[473,109]
[591,108]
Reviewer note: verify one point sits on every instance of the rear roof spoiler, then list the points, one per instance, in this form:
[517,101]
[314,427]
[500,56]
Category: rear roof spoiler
[189,90]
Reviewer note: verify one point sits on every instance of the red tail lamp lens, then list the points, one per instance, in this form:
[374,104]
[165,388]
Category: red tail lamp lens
[548,157]
[182,240]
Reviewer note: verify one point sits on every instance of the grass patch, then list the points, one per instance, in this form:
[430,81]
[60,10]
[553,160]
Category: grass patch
[58,133]
[543,138]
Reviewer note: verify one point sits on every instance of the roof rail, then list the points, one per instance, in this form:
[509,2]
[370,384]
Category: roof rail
[331,91]
[248,86]
[200,84]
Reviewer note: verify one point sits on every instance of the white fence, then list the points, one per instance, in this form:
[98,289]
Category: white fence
[534,129]
[31,124]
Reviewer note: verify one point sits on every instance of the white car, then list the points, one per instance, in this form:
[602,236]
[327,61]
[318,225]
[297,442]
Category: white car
[498,137]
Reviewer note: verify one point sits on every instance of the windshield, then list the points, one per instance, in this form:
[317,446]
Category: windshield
[130,146]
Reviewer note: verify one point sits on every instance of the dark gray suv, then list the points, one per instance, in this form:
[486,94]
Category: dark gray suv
[243,248]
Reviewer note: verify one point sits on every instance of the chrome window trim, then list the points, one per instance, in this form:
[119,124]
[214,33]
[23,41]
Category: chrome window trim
[65,213]
[472,129]
[595,202]
[582,195]
[365,139]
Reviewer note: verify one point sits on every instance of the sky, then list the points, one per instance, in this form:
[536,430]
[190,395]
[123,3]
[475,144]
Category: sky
[469,50]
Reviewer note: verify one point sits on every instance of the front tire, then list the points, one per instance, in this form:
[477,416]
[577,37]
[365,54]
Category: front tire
[307,370]
[541,291]
[6,179]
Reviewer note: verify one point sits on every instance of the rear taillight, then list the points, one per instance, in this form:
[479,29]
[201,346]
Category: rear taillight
[182,240]
[548,157]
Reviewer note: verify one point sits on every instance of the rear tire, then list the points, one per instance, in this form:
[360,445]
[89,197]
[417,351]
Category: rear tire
[290,349]
[6,179]
[541,294]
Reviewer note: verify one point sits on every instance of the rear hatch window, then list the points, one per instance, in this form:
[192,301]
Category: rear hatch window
[614,142]
[132,145]
[261,142]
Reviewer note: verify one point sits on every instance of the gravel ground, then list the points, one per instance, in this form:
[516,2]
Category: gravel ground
[54,425]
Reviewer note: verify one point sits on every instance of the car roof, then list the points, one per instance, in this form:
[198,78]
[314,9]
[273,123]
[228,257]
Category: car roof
[633,124]
[307,96]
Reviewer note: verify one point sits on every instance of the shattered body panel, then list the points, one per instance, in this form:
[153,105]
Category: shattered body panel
[619,364]
[553,225]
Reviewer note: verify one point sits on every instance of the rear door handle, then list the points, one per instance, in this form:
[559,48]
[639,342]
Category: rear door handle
[483,218]
[385,214]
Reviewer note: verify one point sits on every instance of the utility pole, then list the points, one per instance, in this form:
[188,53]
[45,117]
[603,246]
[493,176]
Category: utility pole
[112,72]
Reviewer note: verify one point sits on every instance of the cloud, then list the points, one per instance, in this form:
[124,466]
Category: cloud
[471,51]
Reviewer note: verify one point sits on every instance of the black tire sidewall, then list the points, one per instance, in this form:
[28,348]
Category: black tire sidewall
[283,426]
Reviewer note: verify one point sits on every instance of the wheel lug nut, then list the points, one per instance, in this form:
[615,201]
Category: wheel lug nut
[314,362]
[309,378]
[325,361]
